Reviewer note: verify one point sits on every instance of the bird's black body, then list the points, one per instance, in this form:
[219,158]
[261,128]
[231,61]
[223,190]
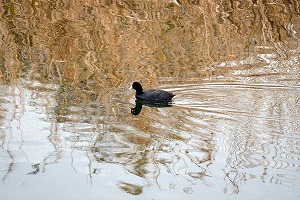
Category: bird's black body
[151,95]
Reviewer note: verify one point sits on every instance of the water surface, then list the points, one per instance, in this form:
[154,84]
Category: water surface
[66,123]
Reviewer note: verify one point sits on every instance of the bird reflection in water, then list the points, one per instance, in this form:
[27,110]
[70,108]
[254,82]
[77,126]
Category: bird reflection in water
[139,105]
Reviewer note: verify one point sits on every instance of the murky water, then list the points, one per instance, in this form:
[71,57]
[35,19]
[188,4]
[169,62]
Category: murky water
[70,127]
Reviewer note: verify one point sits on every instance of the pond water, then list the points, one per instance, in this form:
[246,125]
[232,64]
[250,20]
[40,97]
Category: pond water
[70,127]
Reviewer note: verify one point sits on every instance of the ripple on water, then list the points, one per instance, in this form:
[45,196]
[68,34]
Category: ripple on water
[254,128]
[216,135]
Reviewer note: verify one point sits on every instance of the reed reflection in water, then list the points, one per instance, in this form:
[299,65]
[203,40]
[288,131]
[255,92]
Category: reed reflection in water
[218,136]
[67,127]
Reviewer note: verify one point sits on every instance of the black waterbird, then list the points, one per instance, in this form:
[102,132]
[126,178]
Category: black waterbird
[151,95]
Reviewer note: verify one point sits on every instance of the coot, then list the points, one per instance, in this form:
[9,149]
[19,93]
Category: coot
[151,95]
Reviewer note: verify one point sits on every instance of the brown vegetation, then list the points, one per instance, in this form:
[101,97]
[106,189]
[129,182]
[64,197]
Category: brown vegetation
[109,41]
